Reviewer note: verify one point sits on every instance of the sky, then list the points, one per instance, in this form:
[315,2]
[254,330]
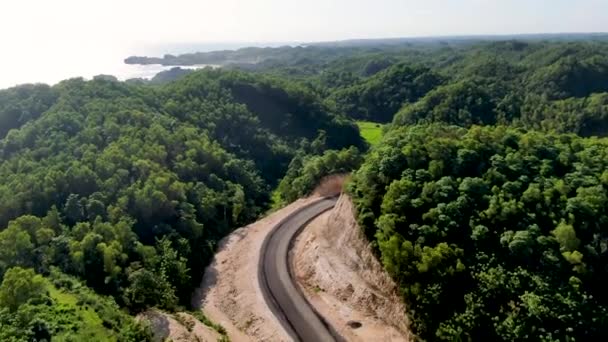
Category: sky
[48,41]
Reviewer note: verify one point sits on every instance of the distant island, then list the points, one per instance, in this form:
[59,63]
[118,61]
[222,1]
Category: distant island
[250,55]
[224,57]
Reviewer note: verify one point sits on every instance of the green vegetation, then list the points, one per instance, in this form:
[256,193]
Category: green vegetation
[485,194]
[380,96]
[22,104]
[186,322]
[534,84]
[61,308]
[493,233]
[129,187]
[306,172]
[370,131]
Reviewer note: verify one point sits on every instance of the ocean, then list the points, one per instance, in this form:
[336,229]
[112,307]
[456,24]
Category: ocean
[54,64]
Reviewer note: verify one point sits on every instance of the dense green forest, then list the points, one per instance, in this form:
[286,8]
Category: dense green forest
[129,187]
[484,193]
[494,233]
[486,200]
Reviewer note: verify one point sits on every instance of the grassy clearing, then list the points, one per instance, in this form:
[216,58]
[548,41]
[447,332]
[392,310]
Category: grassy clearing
[370,131]
[86,322]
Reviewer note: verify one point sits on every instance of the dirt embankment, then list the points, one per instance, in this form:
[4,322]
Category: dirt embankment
[343,280]
[180,327]
[230,293]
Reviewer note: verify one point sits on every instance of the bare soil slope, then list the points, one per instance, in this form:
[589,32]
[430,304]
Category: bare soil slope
[344,281]
[167,327]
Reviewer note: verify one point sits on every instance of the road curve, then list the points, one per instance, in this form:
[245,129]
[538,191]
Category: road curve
[287,303]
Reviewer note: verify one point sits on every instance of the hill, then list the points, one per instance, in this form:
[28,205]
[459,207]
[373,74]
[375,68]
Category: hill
[129,187]
[493,233]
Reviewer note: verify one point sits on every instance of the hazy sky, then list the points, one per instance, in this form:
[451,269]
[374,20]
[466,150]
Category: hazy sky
[40,34]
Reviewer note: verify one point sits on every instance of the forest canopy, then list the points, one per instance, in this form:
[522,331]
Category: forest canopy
[129,187]
[486,199]
[484,194]
[494,233]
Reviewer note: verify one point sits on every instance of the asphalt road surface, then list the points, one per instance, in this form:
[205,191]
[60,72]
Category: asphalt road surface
[287,303]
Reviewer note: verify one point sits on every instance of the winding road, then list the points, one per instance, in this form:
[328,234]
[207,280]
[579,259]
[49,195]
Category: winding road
[281,293]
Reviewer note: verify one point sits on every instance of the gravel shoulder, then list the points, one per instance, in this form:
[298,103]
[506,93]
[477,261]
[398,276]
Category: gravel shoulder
[345,283]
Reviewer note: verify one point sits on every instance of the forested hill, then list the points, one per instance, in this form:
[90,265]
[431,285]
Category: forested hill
[130,187]
[486,199]
[557,84]
[542,85]
[495,234]
[324,52]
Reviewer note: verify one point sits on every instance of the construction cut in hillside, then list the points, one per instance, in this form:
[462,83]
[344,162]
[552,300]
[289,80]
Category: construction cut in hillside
[342,279]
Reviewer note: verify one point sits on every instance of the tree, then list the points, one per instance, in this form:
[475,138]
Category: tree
[19,286]
[566,236]
[147,289]
[16,248]
[73,209]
